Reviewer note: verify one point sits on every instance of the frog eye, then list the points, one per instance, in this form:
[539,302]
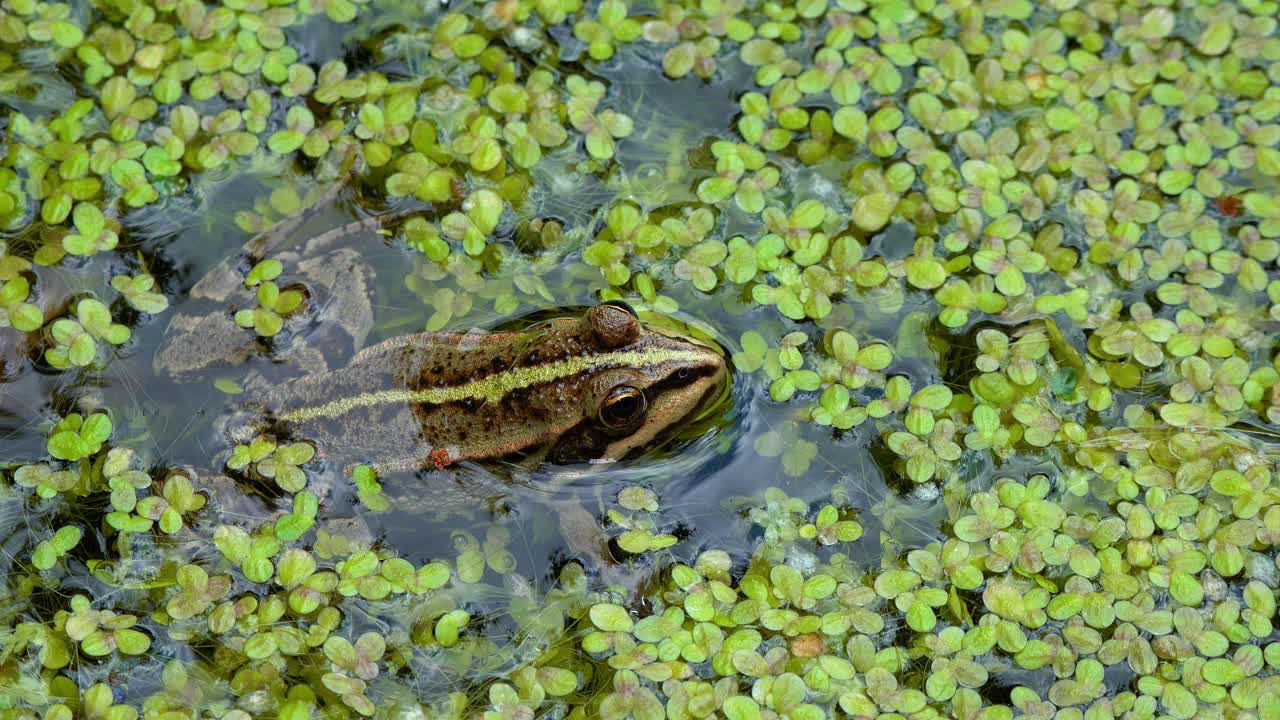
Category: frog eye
[623,406]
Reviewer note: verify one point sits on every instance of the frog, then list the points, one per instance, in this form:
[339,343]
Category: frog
[585,386]
[591,386]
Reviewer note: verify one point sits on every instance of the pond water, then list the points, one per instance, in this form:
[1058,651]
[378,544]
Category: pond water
[996,282]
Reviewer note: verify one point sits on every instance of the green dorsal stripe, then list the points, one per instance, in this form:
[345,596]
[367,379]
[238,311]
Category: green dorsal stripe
[495,387]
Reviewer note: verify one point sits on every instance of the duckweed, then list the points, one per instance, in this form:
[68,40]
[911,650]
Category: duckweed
[1019,260]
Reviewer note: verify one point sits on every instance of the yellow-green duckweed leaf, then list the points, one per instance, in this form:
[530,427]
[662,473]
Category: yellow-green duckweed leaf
[611,618]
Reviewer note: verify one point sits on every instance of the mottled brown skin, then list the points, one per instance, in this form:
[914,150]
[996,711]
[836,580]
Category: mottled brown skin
[555,420]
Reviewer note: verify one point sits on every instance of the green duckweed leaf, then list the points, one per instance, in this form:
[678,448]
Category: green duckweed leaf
[611,618]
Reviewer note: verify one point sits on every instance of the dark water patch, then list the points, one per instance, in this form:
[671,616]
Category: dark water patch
[25,406]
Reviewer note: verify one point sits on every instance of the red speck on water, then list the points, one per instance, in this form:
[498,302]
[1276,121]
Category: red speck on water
[1228,205]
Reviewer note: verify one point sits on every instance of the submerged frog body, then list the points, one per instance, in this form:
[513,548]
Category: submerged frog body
[592,386]
[572,389]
